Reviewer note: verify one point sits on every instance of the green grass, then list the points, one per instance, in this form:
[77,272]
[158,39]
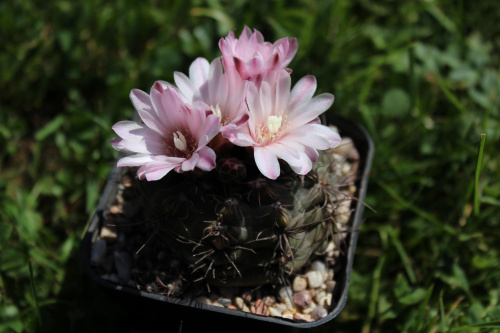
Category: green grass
[422,76]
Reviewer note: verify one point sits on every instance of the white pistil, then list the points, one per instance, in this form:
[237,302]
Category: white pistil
[180,141]
[274,124]
[216,111]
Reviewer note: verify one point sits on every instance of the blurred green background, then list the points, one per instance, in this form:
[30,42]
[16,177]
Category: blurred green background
[422,76]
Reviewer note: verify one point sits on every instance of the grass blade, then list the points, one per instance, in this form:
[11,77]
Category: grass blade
[442,314]
[374,293]
[402,253]
[491,324]
[423,307]
[478,171]
[33,293]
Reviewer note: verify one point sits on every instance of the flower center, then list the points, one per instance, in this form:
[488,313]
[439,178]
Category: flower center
[274,124]
[180,141]
[270,130]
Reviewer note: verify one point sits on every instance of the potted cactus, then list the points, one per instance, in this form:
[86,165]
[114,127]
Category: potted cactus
[231,195]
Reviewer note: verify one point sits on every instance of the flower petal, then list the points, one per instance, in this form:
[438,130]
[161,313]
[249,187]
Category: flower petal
[285,153]
[315,136]
[143,105]
[198,72]
[190,164]
[283,84]
[207,159]
[185,86]
[217,85]
[137,138]
[303,166]
[302,92]
[154,170]
[209,131]
[310,111]
[134,160]
[267,162]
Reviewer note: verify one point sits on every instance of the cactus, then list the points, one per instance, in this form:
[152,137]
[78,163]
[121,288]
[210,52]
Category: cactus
[241,183]
[233,227]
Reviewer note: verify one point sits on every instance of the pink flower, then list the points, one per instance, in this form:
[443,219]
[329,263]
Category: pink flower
[222,92]
[172,136]
[284,124]
[252,57]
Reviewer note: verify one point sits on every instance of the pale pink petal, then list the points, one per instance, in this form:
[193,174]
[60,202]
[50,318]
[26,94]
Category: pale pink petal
[258,36]
[116,143]
[134,160]
[315,121]
[256,112]
[241,67]
[311,153]
[310,111]
[190,164]
[156,100]
[173,110]
[185,86]
[255,64]
[283,84]
[217,87]
[266,102]
[209,131]
[206,161]
[315,136]
[238,137]
[140,100]
[198,72]
[161,85]
[154,171]
[137,138]
[267,162]
[273,61]
[302,92]
[285,153]
[196,122]
[150,119]
[290,51]
[303,166]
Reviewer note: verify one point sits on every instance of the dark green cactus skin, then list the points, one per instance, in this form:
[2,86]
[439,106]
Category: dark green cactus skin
[234,227]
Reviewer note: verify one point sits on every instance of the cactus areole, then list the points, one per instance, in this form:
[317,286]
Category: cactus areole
[230,176]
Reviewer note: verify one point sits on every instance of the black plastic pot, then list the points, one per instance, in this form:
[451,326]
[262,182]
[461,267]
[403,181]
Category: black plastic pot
[160,313]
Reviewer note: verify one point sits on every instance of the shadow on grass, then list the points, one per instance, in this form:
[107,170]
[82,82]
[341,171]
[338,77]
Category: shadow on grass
[84,306]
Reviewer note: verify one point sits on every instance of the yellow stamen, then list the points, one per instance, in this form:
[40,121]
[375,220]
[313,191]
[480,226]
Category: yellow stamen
[274,124]
[216,110]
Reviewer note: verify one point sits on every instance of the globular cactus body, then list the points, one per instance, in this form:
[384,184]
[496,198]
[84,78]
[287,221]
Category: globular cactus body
[232,226]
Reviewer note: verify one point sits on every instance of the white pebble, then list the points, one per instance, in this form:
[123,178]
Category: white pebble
[239,302]
[315,279]
[318,312]
[318,266]
[309,309]
[319,297]
[299,284]
[285,292]
[274,312]
[329,299]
